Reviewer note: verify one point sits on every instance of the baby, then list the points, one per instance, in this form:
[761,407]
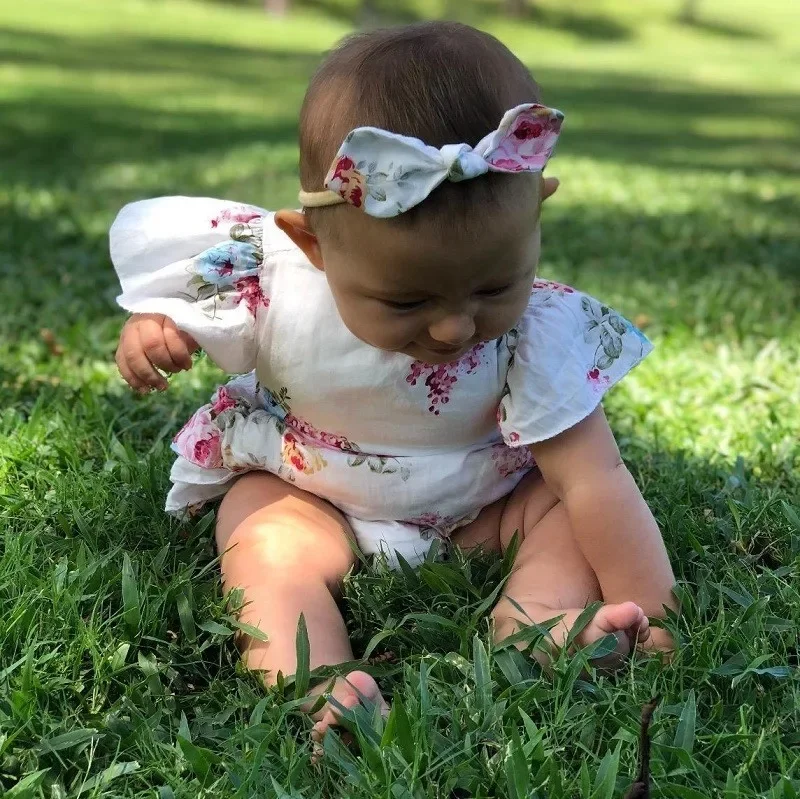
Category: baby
[404,376]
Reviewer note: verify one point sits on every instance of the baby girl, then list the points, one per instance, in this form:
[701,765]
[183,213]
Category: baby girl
[404,377]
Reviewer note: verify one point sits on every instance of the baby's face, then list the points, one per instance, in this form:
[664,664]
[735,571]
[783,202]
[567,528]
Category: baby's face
[433,300]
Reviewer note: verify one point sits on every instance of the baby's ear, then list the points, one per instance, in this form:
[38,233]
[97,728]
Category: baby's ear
[295,225]
[549,187]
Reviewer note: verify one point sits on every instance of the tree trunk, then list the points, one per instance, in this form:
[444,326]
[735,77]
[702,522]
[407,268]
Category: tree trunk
[276,8]
[689,10]
[369,15]
[515,8]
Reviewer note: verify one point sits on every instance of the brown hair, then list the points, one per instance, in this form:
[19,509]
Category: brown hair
[442,82]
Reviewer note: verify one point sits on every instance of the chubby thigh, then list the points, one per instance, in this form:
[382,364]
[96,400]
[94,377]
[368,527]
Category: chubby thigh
[281,527]
[516,513]
[550,569]
[270,532]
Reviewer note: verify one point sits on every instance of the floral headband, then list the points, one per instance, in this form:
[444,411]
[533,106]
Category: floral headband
[384,174]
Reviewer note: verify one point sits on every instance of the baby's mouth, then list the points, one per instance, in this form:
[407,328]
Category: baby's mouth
[448,354]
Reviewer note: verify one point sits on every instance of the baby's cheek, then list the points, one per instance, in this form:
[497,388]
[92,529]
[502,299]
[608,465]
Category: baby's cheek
[497,321]
[377,330]
[391,335]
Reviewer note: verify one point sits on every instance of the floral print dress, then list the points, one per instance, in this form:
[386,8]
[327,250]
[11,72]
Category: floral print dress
[408,451]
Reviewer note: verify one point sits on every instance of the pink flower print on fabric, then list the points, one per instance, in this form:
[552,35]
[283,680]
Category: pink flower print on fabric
[435,525]
[346,181]
[299,458]
[440,378]
[308,431]
[199,441]
[241,214]
[248,291]
[546,294]
[528,142]
[596,380]
[558,288]
[223,401]
[228,274]
[510,460]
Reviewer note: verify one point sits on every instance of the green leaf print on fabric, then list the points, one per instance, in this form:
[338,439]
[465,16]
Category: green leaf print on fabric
[512,342]
[605,328]
[380,464]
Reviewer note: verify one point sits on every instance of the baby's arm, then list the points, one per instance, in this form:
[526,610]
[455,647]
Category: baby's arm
[609,518]
[147,343]
[188,283]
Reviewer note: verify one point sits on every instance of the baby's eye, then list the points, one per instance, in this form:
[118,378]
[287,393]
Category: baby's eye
[494,292]
[404,306]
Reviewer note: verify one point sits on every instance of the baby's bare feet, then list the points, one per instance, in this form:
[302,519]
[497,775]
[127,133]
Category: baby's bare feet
[356,687]
[626,621]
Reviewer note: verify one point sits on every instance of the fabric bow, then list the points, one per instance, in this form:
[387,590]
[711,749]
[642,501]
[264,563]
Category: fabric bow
[384,174]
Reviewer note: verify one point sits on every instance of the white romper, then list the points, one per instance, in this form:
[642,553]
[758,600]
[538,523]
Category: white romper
[408,451]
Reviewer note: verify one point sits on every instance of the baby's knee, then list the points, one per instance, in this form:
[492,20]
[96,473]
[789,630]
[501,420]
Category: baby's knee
[245,498]
[276,529]
[266,548]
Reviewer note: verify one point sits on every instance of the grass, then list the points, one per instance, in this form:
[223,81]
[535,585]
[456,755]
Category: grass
[680,168]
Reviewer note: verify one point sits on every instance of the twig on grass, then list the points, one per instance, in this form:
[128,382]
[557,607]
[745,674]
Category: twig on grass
[641,788]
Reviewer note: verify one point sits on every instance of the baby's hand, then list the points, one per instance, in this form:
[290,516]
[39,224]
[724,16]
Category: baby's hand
[149,342]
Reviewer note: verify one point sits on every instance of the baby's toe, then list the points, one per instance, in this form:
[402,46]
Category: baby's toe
[641,632]
[619,618]
[322,726]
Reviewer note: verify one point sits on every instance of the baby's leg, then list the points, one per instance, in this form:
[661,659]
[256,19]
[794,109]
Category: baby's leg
[288,550]
[551,578]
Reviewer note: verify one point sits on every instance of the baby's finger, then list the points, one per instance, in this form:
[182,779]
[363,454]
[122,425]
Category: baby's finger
[138,363]
[127,375]
[191,344]
[178,350]
[152,340]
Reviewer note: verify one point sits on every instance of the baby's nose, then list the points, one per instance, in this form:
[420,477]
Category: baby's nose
[453,329]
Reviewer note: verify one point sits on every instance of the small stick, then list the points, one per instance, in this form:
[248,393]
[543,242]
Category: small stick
[641,788]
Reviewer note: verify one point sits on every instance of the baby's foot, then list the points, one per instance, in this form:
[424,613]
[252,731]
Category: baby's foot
[356,687]
[626,621]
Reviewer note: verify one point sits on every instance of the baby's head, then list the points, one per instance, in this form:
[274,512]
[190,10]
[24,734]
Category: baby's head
[457,268]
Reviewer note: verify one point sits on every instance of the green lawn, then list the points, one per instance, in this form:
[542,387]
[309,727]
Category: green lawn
[681,176]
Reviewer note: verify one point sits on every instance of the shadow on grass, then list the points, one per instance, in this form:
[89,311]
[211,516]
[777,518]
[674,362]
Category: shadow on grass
[586,25]
[378,14]
[64,133]
[673,124]
[211,61]
[63,147]
[724,29]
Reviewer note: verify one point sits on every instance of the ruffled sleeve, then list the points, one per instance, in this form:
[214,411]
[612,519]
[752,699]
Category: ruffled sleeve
[567,351]
[196,260]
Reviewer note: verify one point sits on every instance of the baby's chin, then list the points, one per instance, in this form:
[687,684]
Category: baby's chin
[436,357]
[418,352]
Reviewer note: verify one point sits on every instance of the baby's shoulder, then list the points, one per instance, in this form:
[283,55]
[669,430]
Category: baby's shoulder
[563,312]
[566,352]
